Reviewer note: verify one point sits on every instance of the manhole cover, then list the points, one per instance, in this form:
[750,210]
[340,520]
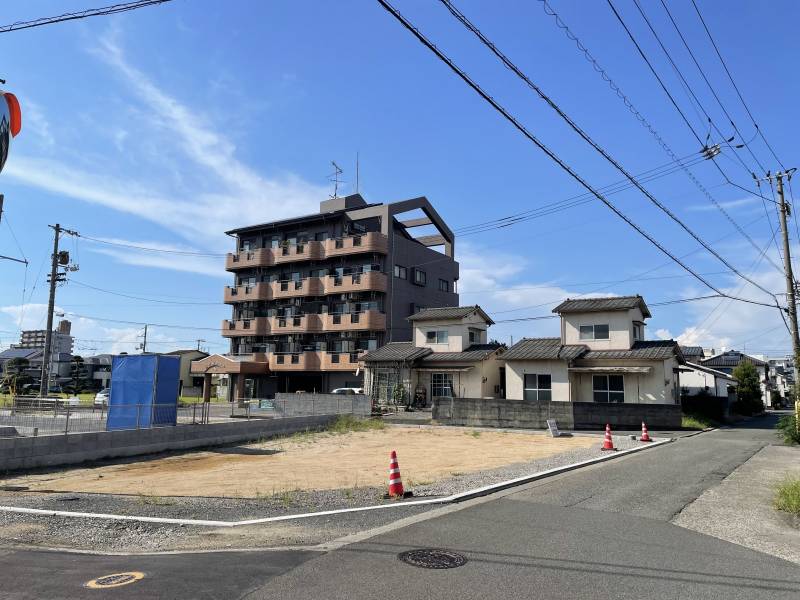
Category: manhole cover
[114,580]
[433,558]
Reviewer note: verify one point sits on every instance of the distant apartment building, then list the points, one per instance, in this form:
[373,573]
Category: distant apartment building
[62,341]
[312,294]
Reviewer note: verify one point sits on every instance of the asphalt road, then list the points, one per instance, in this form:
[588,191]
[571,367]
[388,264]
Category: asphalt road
[601,532]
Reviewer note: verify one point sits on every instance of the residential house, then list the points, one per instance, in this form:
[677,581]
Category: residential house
[600,356]
[449,357]
[190,384]
[312,293]
[727,361]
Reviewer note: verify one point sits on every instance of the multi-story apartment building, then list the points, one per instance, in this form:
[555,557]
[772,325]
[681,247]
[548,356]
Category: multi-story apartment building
[62,340]
[312,293]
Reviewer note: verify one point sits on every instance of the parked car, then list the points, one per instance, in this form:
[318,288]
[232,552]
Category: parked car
[101,397]
[348,391]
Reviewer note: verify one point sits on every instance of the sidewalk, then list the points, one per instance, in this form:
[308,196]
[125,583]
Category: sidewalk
[739,509]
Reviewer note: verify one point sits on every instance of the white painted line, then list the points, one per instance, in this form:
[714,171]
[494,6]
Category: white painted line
[482,491]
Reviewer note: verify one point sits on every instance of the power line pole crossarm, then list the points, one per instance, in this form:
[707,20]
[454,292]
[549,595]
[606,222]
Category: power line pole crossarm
[790,290]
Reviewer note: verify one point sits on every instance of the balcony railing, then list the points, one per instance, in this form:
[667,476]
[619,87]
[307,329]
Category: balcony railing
[309,250]
[313,361]
[309,323]
[311,286]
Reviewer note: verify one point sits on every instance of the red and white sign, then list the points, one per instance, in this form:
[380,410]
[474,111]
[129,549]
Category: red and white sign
[10,123]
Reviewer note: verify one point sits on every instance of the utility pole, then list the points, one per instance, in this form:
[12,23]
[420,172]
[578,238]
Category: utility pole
[144,341]
[790,295]
[48,336]
[55,278]
[198,344]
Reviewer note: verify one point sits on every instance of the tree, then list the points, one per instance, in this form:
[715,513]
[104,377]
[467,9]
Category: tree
[748,390]
[78,376]
[14,375]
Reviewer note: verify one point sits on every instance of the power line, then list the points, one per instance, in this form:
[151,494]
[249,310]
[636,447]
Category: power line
[735,87]
[645,123]
[564,204]
[588,139]
[151,249]
[141,323]
[522,129]
[689,125]
[92,12]
[91,287]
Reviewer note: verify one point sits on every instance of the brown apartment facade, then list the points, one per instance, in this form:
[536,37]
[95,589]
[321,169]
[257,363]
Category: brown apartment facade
[312,294]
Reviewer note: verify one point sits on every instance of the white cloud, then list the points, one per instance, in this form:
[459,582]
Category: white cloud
[749,201]
[215,190]
[664,334]
[37,124]
[212,266]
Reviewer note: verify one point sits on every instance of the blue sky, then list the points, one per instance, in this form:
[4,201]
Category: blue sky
[166,126]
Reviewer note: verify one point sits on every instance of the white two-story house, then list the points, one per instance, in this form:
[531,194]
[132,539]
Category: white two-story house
[600,356]
[450,357]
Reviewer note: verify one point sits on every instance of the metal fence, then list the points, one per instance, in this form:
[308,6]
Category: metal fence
[32,416]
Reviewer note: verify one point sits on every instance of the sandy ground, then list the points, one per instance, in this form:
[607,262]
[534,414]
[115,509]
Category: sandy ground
[740,510]
[311,461]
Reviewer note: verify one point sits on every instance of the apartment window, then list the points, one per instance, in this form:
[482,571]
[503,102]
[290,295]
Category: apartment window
[436,337]
[279,359]
[444,285]
[334,358]
[441,385]
[538,387]
[337,319]
[594,332]
[608,388]
[420,277]
[353,318]
[356,240]
[321,236]
[400,272]
[339,243]
[295,359]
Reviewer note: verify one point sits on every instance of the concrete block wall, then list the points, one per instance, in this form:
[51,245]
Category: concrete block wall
[473,412]
[56,450]
[314,404]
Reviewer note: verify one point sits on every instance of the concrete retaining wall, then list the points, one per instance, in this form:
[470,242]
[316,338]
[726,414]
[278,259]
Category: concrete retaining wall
[312,404]
[55,450]
[473,412]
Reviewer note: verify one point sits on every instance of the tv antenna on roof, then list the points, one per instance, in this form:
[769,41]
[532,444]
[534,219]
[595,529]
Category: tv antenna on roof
[334,177]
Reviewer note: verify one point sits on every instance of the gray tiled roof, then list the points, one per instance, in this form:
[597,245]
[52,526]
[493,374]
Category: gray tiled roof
[471,354]
[543,349]
[395,352]
[603,304]
[731,358]
[449,312]
[643,350]
[692,351]
[19,353]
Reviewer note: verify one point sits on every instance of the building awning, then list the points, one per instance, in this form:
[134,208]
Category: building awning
[640,370]
[218,364]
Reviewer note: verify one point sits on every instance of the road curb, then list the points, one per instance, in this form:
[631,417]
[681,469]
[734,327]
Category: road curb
[452,499]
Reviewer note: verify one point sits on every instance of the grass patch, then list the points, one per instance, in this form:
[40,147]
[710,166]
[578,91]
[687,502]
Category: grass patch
[348,423]
[787,496]
[473,433]
[788,427]
[695,421]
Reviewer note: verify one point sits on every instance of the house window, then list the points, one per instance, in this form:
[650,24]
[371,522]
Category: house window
[475,336]
[638,332]
[444,285]
[441,385]
[608,388]
[420,277]
[594,332]
[538,388]
[436,337]
[400,272]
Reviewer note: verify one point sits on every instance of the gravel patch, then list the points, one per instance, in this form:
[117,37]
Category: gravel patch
[104,535]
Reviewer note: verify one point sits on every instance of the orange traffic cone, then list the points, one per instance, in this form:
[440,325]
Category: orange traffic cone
[395,481]
[645,436]
[608,443]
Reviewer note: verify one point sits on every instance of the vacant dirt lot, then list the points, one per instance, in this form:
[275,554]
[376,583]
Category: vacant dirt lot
[311,462]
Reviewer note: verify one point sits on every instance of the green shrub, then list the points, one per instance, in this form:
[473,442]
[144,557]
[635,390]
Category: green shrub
[697,421]
[748,392]
[788,427]
[347,423]
[787,497]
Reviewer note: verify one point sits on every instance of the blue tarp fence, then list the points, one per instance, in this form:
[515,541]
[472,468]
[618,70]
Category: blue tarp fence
[144,391]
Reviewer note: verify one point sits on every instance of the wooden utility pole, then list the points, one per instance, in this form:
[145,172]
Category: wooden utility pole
[790,290]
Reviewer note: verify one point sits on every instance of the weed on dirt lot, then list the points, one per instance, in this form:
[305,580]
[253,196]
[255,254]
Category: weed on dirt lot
[787,497]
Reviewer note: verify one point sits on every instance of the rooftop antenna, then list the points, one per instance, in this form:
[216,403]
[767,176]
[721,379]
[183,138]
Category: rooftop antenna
[335,178]
[356,172]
